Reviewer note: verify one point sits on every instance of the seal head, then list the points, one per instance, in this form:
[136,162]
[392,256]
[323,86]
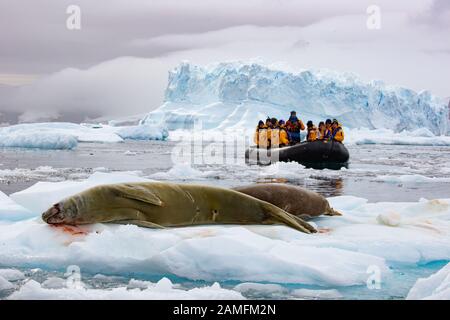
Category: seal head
[63,212]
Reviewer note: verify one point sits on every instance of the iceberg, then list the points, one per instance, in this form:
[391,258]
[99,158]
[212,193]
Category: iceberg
[235,95]
[62,135]
[37,139]
[143,132]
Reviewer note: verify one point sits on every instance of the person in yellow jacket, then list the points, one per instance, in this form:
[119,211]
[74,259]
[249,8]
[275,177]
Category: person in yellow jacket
[312,132]
[337,134]
[284,137]
[321,130]
[273,133]
[260,137]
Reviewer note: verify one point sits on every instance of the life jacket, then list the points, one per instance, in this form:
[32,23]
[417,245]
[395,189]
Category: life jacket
[294,124]
[327,134]
[274,137]
[260,137]
[312,134]
[284,137]
[338,134]
[321,133]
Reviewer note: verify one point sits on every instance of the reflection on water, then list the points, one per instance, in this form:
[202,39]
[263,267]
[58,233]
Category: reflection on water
[328,187]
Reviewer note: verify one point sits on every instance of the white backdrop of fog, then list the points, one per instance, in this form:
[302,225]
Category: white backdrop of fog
[117,64]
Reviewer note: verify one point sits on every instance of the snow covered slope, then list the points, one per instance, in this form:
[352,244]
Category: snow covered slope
[236,95]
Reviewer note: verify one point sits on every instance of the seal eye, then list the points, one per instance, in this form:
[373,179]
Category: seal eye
[56,209]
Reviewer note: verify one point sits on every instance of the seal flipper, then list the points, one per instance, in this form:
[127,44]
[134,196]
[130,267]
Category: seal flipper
[140,223]
[281,216]
[139,193]
[303,223]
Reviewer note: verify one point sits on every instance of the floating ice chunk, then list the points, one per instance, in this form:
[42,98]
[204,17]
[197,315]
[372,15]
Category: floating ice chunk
[139,284]
[33,290]
[421,136]
[435,287]
[143,132]
[317,294]
[11,274]
[54,283]
[5,284]
[392,219]
[181,171]
[105,279]
[55,135]
[130,153]
[164,285]
[259,288]
[411,179]
[36,139]
[61,135]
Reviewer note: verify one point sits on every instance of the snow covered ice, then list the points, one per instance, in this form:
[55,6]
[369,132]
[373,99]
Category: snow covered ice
[162,290]
[324,265]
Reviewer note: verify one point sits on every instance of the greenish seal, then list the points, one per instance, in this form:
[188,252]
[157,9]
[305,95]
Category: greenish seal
[158,205]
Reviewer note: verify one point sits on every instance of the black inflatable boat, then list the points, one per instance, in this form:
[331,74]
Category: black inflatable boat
[316,154]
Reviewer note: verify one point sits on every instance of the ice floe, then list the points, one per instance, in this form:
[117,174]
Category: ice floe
[317,294]
[162,290]
[60,135]
[10,210]
[5,284]
[435,287]
[12,274]
[368,235]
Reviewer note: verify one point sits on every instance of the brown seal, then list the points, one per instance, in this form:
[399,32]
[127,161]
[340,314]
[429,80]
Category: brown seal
[295,200]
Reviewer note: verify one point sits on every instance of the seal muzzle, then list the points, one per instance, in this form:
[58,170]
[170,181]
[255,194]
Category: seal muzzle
[53,215]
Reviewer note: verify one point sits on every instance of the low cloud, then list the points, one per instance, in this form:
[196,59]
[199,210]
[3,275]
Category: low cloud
[104,79]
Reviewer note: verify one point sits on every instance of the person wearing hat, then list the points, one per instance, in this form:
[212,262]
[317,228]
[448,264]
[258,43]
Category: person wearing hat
[284,137]
[321,130]
[327,132]
[273,134]
[260,137]
[294,125]
[312,132]
[337,134]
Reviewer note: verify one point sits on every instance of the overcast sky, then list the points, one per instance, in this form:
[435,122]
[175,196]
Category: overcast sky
[117,63]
